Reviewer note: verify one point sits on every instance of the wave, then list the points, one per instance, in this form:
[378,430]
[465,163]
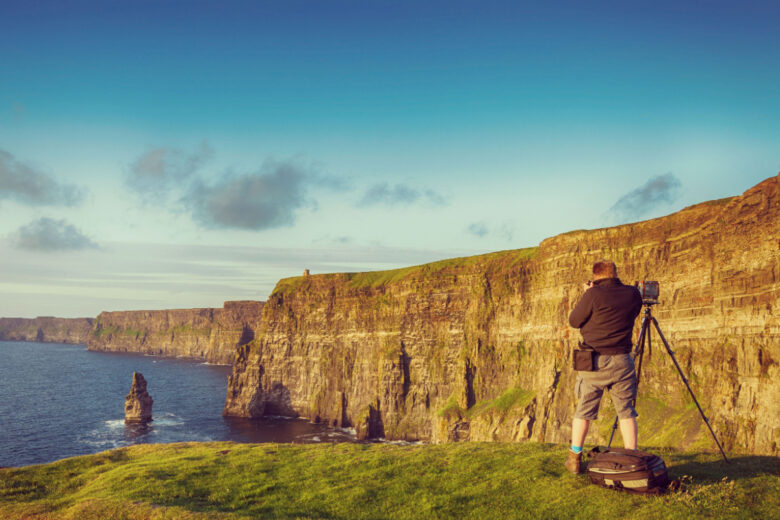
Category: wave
[401,442]
[114,424]
[166,422]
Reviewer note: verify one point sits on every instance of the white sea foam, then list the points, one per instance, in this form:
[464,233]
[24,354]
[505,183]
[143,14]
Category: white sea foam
[201,437]
[166,422]
[400,442]
[115,424]
[167,419]
[104,444]
[107,438]
[309,437]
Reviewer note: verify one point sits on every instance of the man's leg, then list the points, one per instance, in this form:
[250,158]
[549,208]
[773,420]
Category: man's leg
[623,393]
[588,399]
[627,430]
[579,430]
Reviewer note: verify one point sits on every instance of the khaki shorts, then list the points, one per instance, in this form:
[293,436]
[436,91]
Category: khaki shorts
[616,374]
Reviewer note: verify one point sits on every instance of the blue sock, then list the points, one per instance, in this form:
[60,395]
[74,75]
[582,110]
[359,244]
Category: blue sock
[576,449]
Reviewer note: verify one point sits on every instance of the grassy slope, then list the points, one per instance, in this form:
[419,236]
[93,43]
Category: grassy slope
[462,480]
[382,278]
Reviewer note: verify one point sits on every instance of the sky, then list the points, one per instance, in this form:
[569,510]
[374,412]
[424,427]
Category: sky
[178,154]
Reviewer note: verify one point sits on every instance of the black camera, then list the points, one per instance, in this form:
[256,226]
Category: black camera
[649,291]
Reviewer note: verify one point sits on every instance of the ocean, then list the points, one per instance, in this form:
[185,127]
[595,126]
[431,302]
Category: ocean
[59,401]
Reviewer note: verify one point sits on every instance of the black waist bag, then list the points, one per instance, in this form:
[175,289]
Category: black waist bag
[582,358]
[628,470]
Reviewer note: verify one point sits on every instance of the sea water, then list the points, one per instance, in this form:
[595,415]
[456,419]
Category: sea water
[60,400]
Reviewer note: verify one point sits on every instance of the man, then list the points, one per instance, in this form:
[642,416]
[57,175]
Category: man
[605,316]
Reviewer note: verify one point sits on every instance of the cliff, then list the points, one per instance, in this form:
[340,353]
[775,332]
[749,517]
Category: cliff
[209,334]
[479,348]
[46,329]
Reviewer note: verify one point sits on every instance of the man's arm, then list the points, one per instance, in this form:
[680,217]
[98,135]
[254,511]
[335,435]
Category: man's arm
[637,302]
[582,311]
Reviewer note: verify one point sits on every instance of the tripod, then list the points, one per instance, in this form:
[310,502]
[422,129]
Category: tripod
[639,351]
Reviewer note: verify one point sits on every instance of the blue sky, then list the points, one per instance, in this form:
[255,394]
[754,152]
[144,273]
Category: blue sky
[179,154]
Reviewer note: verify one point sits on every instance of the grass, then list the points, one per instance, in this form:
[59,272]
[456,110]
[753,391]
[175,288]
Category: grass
[286,286]
[450,408]
[379,278]
[374,279]
[185,329]
[114,330]
[662,423]
[461,480]
[511,398]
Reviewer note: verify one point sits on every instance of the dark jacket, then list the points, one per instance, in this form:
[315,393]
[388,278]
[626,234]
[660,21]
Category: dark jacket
[605,315]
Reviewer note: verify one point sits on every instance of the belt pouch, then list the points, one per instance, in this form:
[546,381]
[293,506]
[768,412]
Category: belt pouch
[583,360]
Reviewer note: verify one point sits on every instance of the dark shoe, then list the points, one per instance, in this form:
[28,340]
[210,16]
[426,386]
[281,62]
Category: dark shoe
[574,462]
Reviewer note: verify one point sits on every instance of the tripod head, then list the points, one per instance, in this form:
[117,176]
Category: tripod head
[648,309]
[648,313]
[649,290]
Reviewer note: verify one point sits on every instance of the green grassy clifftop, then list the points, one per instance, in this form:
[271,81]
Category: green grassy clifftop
[471,480]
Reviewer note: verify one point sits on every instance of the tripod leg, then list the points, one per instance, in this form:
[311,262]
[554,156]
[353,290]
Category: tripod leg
[649,346]
[639,351]
[639,367]
[679,370]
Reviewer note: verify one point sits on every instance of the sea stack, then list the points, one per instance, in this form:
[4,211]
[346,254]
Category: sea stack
[138,403]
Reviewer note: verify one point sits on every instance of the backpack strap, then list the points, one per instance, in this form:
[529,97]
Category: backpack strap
[592,453]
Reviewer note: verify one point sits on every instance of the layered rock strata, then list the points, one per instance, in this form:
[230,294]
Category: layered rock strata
[209,334]
[138,403]
[46,329]
[479,348]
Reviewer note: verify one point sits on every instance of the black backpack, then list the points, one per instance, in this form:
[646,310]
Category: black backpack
[628,470]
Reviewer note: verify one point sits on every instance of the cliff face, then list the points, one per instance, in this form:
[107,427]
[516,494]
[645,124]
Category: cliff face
[209,334]
[479,348]
[46,329]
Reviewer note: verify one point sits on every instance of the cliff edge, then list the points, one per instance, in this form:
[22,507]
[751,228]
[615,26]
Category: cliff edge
[209,334]
[46,329]
[479,348]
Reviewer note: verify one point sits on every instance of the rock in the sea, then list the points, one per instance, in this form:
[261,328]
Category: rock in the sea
[138,403]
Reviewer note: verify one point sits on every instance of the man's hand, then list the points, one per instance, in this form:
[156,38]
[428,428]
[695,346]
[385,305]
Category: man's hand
[587,285]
